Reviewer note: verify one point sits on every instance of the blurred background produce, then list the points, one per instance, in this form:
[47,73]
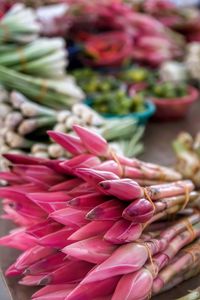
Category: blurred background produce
[173,99]
[187,151]
[192,295]
[108,66]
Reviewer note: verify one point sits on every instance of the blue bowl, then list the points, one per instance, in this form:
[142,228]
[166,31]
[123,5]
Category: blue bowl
[141,117]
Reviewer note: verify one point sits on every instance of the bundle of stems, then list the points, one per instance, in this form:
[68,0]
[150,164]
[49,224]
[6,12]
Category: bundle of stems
[184,266]
[73,228]
[43,57]
[19,25]
[54,93]
[161,272]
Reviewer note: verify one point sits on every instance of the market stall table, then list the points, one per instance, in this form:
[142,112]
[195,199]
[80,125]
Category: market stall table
[158,149]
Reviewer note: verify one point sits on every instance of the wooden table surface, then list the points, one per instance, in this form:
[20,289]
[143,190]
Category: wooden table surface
[157,140]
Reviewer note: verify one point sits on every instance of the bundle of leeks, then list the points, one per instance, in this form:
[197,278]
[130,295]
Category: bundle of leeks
[42,57]
[55,93]
[34,66]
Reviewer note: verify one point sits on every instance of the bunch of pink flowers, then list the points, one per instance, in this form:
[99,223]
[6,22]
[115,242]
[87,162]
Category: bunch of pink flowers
[95,226]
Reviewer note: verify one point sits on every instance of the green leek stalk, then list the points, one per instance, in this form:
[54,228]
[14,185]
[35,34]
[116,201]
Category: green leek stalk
[134,148]
[43,57]
[34,50]
[119,128]
[52,93]
[136,151]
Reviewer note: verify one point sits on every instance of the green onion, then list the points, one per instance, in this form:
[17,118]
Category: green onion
[52,93]
[19,25]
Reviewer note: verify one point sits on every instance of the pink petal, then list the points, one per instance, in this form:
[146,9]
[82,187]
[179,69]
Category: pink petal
[93,177]
[139,211]
[12,271]
[82,189]
[42,229]
[100,290]
[46,265]
[60,196]
[109,210]
[23,159]
[58,239]
[91,229]
[31,280]
[53,288]
[94,249]
[109,166]
[123,232]
[93,142]
[72,272]
[135,286]
[18,239]
[66,185]
[16,217]
[71,143]
[31,256]
[69,216]
[87,201]
[124,260]
[81,161]
[12,178]
[117,188]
